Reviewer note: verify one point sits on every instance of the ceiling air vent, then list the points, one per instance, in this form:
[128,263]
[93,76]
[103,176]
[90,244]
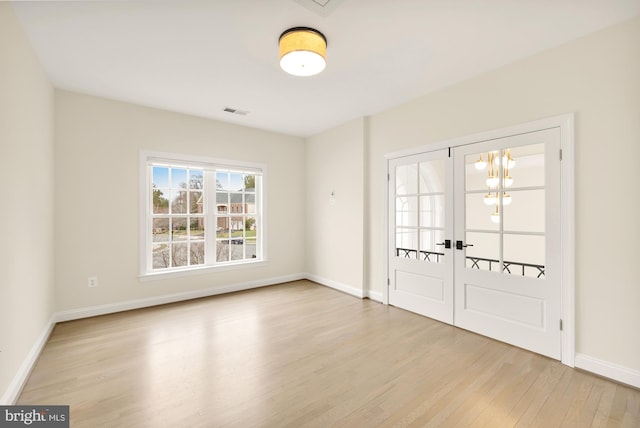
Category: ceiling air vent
[235,111]
[321,7]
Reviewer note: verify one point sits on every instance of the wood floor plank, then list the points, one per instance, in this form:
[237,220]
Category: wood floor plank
[302,355]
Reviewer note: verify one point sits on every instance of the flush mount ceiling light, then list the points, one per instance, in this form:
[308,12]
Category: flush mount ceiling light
[303,51]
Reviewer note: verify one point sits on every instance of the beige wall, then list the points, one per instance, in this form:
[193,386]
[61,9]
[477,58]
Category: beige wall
[598,78]
[96,186]
[334,233]
[26,186]
[97,148]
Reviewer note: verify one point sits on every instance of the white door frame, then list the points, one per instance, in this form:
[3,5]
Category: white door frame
[567,211]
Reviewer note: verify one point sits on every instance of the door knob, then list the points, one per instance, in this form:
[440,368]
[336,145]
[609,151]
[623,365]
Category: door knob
[446,243]
[460,245]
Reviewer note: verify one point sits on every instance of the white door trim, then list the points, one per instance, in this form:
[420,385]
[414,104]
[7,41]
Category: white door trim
[567,210]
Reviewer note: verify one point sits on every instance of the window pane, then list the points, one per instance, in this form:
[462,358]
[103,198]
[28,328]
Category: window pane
[197,253]
[236,225]
[179,254]
[237,248]
[178,178]
[250,238]
[160,232]
[196,180]
[236,182]
[160,201]
[250,203]
[236,203]
[222,203]
[222,251]
[179,229]
[178,202]
[222,181]
[160,255]
[222,228]
[249,183]
[196,202]
[160,176]
[196,228]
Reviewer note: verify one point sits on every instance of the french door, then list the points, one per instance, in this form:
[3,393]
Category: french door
[421,260]
[475,238]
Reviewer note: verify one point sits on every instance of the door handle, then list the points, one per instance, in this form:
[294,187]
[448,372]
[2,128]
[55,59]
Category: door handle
[460,245]
[446,243]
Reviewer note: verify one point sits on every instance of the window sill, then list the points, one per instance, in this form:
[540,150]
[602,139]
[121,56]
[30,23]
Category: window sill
[154,276]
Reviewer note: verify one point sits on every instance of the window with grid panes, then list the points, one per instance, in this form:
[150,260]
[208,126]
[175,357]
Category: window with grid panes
[201,214]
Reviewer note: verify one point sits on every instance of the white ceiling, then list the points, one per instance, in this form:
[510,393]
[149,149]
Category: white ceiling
[198,57]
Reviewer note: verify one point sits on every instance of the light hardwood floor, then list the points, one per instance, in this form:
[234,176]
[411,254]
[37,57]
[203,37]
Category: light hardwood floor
[300,354]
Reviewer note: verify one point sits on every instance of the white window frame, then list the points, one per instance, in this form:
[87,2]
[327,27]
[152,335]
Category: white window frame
[210,165]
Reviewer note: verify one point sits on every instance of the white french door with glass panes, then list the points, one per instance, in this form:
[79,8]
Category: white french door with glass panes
[497,203]
[507,257]
[421,258]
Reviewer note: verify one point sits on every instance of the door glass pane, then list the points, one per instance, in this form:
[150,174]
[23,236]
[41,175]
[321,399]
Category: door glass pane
[429,250]
[504,192]
[407,211]
[525,212]
[524,255]
[478,212]
[528,166]
[407,179]
[477,170]
[432,211]
[484,254]
[420,210]
[432,176]
[407,243]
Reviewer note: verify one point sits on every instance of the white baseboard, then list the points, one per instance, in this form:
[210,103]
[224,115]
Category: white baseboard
[603,368]
[336,285]
[93,311]
[374,295]
[15,387]
[609,370]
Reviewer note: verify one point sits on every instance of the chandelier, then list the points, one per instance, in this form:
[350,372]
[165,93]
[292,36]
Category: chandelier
[492,165]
